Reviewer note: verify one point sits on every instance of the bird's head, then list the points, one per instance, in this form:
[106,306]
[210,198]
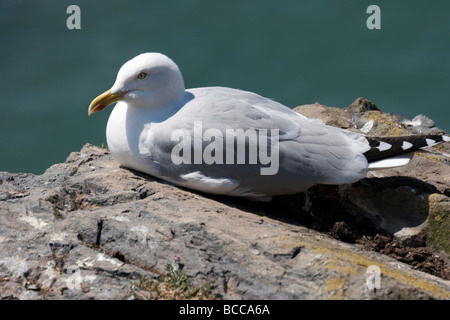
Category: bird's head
[150,80]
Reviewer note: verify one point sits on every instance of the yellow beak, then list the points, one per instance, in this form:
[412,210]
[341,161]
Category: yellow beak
[104,100]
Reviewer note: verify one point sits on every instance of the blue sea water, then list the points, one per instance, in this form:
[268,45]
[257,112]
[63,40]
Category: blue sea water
[296,52]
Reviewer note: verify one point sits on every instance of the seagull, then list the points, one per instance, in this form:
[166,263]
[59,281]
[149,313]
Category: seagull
[232,142]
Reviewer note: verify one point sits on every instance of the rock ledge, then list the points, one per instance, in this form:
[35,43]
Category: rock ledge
[89,229]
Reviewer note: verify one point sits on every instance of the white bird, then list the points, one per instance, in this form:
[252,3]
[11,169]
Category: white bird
[220,140]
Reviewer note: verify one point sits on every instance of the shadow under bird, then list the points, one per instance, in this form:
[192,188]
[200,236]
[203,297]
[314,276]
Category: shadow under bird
[220,140]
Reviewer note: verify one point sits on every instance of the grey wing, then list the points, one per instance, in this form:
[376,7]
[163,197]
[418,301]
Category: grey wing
[309,152]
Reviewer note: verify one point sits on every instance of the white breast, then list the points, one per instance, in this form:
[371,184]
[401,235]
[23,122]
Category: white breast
[122,135]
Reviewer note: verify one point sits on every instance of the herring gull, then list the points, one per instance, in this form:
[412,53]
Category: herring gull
[227,141]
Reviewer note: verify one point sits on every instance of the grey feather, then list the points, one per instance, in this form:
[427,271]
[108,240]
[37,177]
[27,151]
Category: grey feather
[310,151]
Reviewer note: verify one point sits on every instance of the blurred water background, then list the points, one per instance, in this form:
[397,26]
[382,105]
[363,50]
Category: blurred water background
[296,52]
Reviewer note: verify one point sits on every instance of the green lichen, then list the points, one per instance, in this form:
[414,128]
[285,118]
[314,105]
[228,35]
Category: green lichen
[431,157]
[439,223]
[386,126]
[335,284]
[357,261]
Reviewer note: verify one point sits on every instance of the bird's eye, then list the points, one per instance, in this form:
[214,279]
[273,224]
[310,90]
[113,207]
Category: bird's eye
[141,75]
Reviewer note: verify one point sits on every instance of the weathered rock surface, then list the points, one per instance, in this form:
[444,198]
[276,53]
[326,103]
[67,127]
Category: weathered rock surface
[89,229]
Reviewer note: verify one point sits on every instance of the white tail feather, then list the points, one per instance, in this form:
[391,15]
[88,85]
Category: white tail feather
[391,162]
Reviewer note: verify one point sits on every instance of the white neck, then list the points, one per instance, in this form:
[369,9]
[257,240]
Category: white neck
[155,114]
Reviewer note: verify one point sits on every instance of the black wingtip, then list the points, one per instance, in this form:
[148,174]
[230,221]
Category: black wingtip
[387,147]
